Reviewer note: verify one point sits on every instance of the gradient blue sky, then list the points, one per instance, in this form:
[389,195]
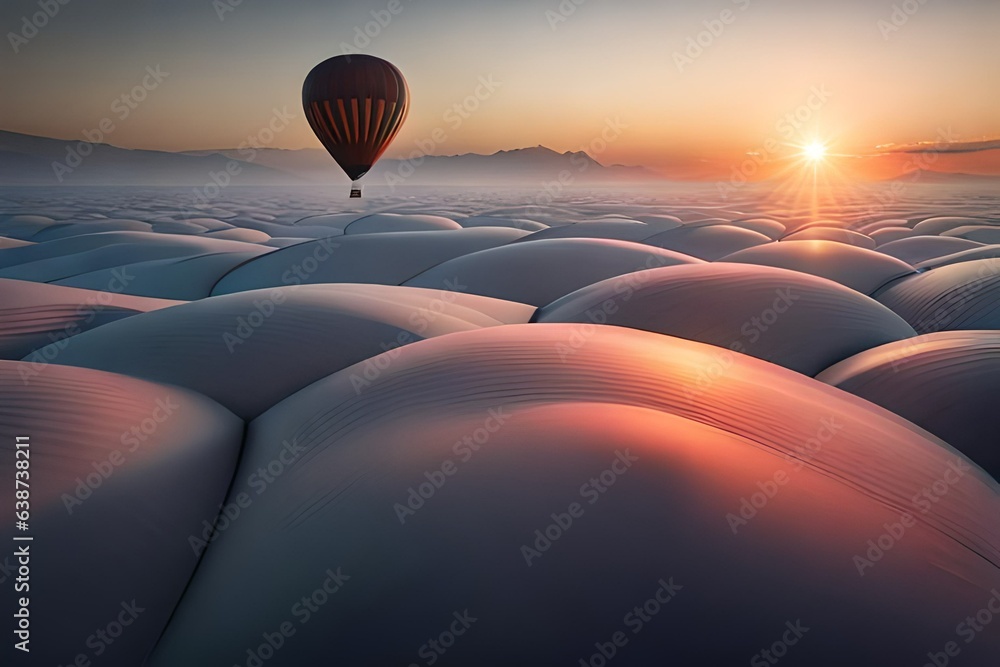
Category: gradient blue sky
[560,83]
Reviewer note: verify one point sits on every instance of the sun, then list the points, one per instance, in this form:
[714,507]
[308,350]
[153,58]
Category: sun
[814,152]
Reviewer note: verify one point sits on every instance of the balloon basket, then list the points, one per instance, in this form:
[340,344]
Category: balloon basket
[355,191]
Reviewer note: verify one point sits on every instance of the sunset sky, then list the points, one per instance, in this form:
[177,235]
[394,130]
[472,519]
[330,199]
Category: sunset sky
[859,74]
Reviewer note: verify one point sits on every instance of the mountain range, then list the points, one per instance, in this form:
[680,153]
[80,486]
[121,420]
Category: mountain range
[32,160]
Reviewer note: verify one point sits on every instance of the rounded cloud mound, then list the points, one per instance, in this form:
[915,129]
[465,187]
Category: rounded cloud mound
[211,225]
[388,259]
[541,271]
[393,222]
[946,382]
[985,252]
[977,233]
[33,315]
[605,484]
[949,298]
[788,318]
[699,219]
[940,225]
[708,241]
[871,228]
[858,268]
[23,227]
[80,227]
[301,230]
[660,220]
[836,235]
[250,350]
[493,221]
[330,221]
[12,243]
[187,278]
[122,473]
[244,235]
[770,228]
[622,230]
[922,248]
[180,227]
[890,234]
[64,258]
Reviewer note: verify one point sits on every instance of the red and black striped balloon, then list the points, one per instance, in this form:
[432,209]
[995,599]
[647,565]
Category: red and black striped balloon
[356,105]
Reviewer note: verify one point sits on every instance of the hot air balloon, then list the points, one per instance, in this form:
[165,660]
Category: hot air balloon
[356,105]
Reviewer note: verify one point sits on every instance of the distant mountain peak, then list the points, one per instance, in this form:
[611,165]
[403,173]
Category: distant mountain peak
[527,150]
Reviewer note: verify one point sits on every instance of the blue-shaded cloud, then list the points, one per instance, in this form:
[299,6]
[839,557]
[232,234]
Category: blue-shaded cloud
[939,147]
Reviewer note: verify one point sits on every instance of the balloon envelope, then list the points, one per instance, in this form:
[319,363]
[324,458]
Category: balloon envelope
[356,105]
